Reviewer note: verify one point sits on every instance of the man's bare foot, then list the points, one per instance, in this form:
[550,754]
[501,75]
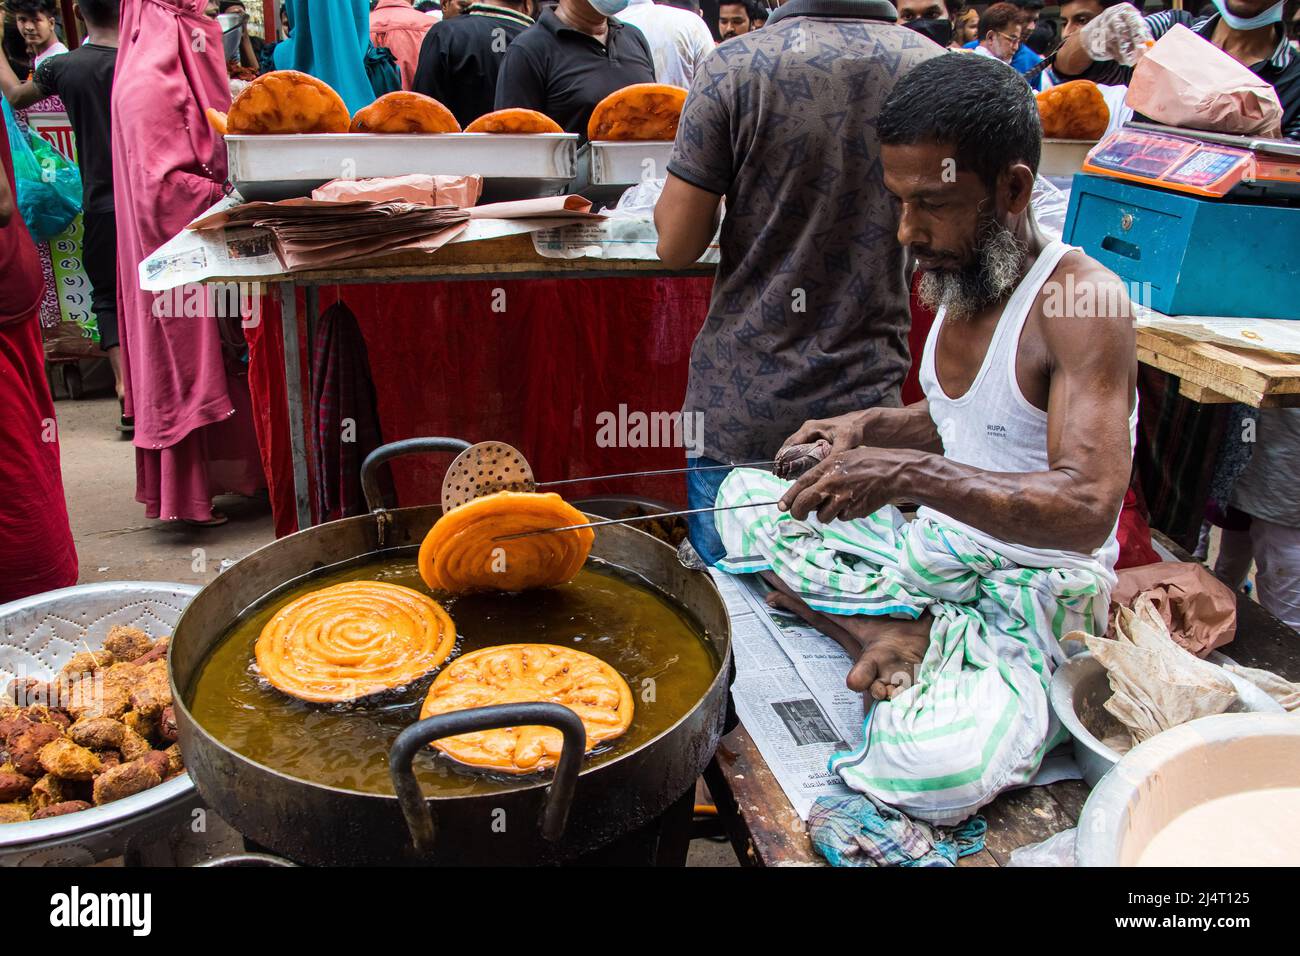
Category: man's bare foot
[887,649]
[786,600]
[892,649]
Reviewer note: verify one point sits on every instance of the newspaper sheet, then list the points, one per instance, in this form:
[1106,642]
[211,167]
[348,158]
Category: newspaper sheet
[1280,336]
[622,237]
[785,717]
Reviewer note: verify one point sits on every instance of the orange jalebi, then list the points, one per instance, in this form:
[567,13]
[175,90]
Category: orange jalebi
[354,639]
[516,673]
[460,554]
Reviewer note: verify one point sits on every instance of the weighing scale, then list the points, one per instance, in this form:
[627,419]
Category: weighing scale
[1196,223]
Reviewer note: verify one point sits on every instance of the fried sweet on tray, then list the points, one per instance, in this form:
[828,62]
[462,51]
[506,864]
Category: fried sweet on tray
[286,101]
[515,673]
[68,761]
[514,120]
[124,781]
[127,643]
[351,640]
[14,813]
[460,553]
[60,809]
[405,112]
[642,111]
[1073,110]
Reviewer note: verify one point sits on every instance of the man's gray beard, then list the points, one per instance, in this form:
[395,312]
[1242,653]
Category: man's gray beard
[998,267]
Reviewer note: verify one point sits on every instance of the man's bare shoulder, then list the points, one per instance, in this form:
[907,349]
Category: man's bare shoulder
[1082,299]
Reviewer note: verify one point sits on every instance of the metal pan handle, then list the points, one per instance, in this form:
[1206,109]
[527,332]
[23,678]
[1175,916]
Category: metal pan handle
[555,812]
[396,449]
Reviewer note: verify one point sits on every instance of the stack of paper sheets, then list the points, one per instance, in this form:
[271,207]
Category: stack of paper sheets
[312,234]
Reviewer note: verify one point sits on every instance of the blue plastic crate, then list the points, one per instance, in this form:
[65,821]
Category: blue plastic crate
[1190,256]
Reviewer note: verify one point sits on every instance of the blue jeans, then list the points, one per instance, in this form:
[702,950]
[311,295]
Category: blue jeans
[702,492]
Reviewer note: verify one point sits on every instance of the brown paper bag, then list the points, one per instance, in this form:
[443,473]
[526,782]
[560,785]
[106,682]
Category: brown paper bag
[1198,610]
[1186,81]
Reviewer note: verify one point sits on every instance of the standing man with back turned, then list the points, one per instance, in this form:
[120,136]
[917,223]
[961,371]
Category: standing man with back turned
[809,314]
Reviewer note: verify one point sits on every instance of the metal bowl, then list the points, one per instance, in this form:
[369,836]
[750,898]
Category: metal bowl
[1079,690]
[1172,772]
[38,635]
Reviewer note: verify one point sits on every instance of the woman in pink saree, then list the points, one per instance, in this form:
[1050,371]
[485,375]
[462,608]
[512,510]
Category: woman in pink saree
[186,383]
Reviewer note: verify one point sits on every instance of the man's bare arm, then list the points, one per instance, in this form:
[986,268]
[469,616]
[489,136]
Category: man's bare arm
[19,94]
[686,218]
[1071,506]
[907,427]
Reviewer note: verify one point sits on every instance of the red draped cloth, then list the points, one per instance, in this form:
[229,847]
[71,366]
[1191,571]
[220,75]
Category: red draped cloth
[36,550]
[534,369]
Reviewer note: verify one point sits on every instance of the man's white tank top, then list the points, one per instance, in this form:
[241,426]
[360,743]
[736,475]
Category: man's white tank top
[994,427]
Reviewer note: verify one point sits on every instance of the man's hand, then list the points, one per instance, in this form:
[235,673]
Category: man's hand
[850,484]
[1119,33]
[843,432]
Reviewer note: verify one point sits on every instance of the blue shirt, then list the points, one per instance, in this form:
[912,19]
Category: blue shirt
[1022,61]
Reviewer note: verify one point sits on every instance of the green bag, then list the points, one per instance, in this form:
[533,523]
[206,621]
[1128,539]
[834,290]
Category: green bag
[48,186]
[382,70]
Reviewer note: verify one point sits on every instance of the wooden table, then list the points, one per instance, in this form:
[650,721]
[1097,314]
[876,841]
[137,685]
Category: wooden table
[507,257]
[765,830]
[1211,373]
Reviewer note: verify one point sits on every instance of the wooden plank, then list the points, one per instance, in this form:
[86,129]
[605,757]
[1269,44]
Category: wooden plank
[1071,795]
[1200,394]
[764,827]
[1166,363]
[1255,369]
[1021,817]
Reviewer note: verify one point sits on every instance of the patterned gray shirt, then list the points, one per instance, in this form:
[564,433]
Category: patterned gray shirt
[809,315]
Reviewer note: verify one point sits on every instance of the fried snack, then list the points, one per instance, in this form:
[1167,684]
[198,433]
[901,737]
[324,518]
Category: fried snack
[175,762]
[14,786]
[459,553]
[286,101]
[106,693]
[152,691]
[354,639]
[125,780]
[87,662]
[62,758]
[404,112]
[156,653]
[25,747]
[642,111]
[127,643]
[46,792]
[14,813]
[216,119]
[1073,110]
[167,728]
[98,733]
[514,120]
[160,762]
[60,809]
[514,673]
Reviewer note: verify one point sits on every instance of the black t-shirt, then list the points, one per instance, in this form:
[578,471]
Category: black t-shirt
[460,59]
[83,79]
[1282,69]
[564,72]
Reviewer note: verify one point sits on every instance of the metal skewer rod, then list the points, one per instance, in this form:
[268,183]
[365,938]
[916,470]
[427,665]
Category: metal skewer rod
[662,471]
[598,524]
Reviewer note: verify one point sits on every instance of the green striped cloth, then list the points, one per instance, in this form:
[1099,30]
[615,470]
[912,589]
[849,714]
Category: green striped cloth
[976,720]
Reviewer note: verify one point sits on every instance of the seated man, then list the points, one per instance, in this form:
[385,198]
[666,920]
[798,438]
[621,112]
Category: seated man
[1018,457]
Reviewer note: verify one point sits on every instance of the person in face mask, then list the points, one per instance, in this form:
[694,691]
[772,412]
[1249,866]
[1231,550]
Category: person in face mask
[1250,31]
[571,59]
[930,18]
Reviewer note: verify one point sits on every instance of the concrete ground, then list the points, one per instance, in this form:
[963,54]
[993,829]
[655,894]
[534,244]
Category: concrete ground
[116,542]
